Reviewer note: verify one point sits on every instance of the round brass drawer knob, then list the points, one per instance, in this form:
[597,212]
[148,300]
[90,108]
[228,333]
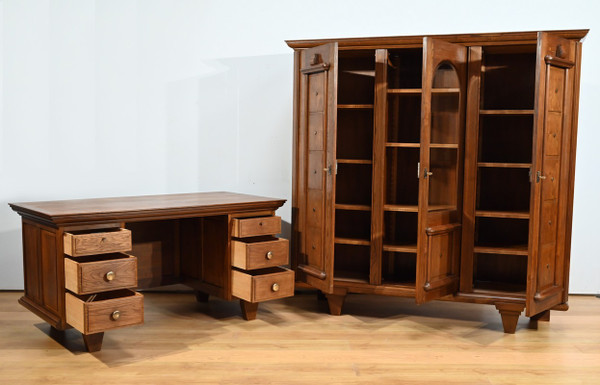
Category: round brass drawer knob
[275,287]
[115,315]
[269,255]
[110,275]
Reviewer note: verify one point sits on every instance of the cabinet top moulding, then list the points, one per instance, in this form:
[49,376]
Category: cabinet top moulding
[504,38]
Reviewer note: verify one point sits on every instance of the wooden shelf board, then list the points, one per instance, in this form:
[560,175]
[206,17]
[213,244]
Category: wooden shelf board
[504,165]
[410,91]
[403,145]
[402,208]
[502,214]
[354,106]
[443,145]
[354,161]
[441,207]
[506,112]
[339,206]
[350,276]
[352,241]
[407,248]
[445,90]
[498,288]
[506,250]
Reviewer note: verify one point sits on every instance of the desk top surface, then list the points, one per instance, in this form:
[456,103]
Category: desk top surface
[145,206]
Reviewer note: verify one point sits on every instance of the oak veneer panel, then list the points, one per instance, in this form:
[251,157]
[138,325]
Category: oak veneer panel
[86,276]
[254,227]
[259,286]
[94,317]
[77,245]
[255,255]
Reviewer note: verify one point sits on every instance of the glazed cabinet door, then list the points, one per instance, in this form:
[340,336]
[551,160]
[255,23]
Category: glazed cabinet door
[548,264]
[440,168]
[315,166]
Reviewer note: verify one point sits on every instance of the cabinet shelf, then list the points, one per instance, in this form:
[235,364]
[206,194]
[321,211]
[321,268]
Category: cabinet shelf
[402,208]
[339,206]
[504,165]
[416,91]
[503,214]
[403,145]
[351,241]
[354,106]
[400,248]
[506,112]
[443,145]
[506,250]
[354,161]
[350,276]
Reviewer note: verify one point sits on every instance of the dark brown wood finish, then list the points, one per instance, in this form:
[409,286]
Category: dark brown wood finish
[317,169]
[417,245]
[183,238]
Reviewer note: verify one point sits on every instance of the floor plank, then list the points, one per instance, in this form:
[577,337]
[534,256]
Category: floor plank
[382,340]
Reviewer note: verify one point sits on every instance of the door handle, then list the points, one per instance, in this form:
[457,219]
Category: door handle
[539,176]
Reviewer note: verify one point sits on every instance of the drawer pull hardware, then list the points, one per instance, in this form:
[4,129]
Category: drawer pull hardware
[269,255]
[427,173]
[275,287]
[115,315]
[110,275]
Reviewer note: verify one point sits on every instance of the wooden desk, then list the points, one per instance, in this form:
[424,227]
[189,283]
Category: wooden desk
[82,257]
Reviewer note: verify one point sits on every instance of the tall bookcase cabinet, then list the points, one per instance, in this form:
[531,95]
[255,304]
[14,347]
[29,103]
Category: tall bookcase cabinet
[437,167]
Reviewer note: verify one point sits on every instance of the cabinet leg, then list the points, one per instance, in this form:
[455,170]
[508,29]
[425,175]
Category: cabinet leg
[543,317]
[335,301]
[249,309]
[93,342]
[510,313]
[201,296]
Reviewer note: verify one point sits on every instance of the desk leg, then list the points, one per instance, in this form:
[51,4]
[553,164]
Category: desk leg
[201,296]
[93,342]
[249,309]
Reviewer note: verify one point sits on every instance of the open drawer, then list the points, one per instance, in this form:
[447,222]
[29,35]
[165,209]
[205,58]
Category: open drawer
[77,244]
[104,311]
[255,227]
[98,273]
[262,285]
[259,252]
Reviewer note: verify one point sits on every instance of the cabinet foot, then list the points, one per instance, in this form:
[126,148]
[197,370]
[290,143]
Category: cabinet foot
[510,313]
[201,296]
[249,309]
[335,301]
[543,317]
[93,342]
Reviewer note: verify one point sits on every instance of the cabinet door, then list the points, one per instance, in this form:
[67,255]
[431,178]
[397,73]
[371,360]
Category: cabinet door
[440,168]
[547,267]
[315,165]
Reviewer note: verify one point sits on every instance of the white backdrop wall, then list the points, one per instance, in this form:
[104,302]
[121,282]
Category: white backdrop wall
[126,97]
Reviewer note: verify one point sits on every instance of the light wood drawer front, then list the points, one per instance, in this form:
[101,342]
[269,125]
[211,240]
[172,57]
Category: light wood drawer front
[260,254]
[107,311]
[255,227]
[77,245]
[100,273]
[262,285]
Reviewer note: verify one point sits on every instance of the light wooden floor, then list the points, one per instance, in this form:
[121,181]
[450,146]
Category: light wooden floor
[379,340]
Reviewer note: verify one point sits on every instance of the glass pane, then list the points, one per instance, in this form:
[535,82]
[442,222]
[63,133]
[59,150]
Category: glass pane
[443,154]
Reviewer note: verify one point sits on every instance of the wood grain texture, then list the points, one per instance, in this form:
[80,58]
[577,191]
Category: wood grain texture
[262,285]
[95,317]
[378,340]
[81,211]
[255,227]
[258,255]
[90,275]
[101,242]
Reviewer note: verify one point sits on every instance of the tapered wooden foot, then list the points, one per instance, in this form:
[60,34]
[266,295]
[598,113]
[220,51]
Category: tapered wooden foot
[335,301]
[201,296]
[93,342]
[510,313]
[540,317]
[249,309]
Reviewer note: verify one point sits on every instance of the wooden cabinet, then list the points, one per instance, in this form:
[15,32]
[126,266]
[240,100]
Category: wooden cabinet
[437,168]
